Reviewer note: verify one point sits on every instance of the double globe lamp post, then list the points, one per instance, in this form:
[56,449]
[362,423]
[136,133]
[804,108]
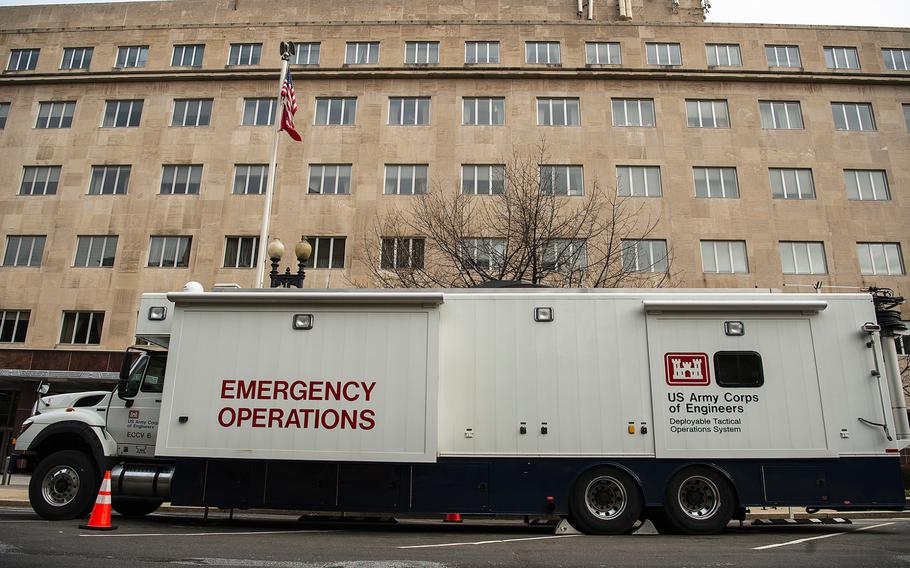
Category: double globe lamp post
[302,250]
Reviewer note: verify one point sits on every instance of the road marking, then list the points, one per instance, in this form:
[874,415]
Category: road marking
[226,533]
[489,541]
[802,540]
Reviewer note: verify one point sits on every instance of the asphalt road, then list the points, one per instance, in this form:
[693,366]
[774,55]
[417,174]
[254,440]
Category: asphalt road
[264,541]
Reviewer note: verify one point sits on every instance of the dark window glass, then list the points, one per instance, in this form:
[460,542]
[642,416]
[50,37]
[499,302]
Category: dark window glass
[738,369]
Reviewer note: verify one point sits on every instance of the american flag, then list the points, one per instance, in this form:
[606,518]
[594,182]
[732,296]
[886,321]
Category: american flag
[289,107]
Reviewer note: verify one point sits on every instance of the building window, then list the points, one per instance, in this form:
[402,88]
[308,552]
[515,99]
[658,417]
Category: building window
[724,256]
[841,58]
[406,179]
[39,180]
[638,181]
[95,251]
[483,179]
[792,183]
[402,253]
[245,54]
[181,179]
[663,54]
[4,113]
[328,252]
[250,179]
[780,114]
[330,179]
[896,59]
[542,52]
[192,112]
[880,259]
[782,56]
[258,112]
[562,180]
[22,59]
[558,112]
[241,252]
[723,55]
[483,253]
[421,52]
[906,115]
[867,185]
[409,111]
[132,56]
[481,52]
[853,116]
[188,55]
[120,114]
[76,58]
[645,255]
[565,255]
[109,180]
[307,54]
[335,111]
[362,53]
[13,326]
[708,114]
[484,111]
[169,252]
[633,112]
[802,257]
[716,183]
[602,53]
[54,114]
[24,250]
[82,328]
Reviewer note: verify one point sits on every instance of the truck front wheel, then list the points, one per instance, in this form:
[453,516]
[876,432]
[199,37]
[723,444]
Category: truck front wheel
[64,486]
[605,500]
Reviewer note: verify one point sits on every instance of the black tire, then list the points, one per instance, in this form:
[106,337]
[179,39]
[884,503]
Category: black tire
[605,500]
[134,508]
[64,486]
[699,500]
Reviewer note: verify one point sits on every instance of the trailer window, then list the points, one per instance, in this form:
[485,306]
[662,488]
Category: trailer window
[738,369]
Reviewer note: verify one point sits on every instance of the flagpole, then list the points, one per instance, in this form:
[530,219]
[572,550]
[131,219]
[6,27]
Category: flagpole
[273,171]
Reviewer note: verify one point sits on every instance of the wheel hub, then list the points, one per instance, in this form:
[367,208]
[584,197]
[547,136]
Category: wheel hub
[605,497]
[60,486]
[699,497]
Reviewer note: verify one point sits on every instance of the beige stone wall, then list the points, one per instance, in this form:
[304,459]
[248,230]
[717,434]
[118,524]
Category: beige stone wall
[444,145]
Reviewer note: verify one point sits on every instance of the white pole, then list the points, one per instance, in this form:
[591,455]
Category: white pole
[270,184]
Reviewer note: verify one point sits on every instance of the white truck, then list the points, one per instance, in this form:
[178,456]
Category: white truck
[602,406]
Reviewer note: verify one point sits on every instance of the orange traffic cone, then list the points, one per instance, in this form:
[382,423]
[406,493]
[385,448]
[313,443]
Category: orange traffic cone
[101,513]
[452,518]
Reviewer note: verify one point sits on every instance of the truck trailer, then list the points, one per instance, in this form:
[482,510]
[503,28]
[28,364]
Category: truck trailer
[605,407]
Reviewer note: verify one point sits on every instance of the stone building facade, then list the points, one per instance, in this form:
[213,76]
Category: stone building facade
[728,114]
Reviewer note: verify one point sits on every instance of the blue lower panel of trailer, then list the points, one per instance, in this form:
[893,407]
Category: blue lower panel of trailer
[518,486]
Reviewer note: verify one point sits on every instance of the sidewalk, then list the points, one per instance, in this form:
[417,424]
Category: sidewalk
[16,495]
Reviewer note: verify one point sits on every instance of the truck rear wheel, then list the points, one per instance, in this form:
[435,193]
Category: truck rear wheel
[605,500]
[134,508]
[699,500]
[64,486]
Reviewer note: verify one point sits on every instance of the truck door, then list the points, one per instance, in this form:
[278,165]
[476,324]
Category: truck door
[737,385]
[132,419]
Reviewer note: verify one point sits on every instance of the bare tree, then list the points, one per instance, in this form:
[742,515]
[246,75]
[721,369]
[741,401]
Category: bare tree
[525,227]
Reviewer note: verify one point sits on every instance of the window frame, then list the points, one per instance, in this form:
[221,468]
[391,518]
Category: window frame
[429,46]
[564,102]
[714,115]
[201,104]
[898,254]
[264,179]
[465,101]
[316,242]
[737,49]
[634,246]
[396,249]
[191,169]
[645,170]
[198,50]
[4,113]
[414,179]
[856,106]
[77,314]
[787,107]
[537,45]
[799,185]
[84,62]
[872,183]
[718,375]
[257,102]
[777,59]
[17,322]
[35,257]
[722,170]
[640,107]
[255,52]
[476,44]
[104,170]
[596,45]
[565,263]
[127,61]
[492,168]
[656,60]
[52,171]
[31,62]
[905,58]
[730,253]
[358,45]
[63,120]
[119,104]
[471,246]
[240,239]
[554,169]
[808,255]
[107,242]
[178,240]
[338,177]
[402,111]
[329,101]
[309,46]
[833,51]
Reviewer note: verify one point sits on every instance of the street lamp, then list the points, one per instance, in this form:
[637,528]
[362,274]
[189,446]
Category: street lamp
[302,251]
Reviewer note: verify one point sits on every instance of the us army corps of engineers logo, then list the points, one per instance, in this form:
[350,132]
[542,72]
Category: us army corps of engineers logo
[687,369]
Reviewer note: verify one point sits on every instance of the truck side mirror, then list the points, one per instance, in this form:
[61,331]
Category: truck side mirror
[130,358]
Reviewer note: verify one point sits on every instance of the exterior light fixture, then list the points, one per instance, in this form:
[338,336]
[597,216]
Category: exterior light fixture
[157,313]
[543,314]
[303,321]
[734,328]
